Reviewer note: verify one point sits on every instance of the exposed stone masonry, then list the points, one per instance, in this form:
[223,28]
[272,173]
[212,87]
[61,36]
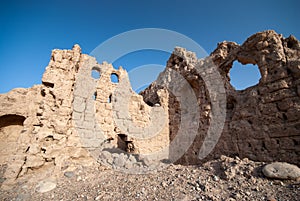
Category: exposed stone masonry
[263,121]
[51,127]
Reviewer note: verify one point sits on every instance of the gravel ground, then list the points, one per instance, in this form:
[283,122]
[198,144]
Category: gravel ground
[223,179]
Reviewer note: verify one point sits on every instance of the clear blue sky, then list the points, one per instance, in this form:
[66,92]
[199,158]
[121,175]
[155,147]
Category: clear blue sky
[31,29]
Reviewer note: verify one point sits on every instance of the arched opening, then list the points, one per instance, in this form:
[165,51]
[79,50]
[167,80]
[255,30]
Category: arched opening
[95,73]
[10,130]
[244,76]
[114,78]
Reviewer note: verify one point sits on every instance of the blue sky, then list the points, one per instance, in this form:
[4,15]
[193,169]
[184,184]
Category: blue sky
[31,29]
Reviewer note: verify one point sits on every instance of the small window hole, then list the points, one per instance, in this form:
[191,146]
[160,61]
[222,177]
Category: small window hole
[95,73]
[114,78]
[244,76]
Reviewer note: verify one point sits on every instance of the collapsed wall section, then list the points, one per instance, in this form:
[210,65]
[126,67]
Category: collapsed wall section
[262,121]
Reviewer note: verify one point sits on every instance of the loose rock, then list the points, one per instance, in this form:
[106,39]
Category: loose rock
[45,186]
[281,170]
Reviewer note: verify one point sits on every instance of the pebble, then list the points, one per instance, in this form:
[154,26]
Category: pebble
[164,184]
[281,170]
[79,178]
[216,178]
[277,182]
[45,186]
[69,174]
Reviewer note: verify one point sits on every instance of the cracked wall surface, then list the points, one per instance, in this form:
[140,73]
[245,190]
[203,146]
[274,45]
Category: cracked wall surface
[62,122]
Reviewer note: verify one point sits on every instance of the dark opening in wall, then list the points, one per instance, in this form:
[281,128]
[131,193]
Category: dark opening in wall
[43,92]
[122,138]
[95,95]
[114,78]
[95,73]
[292,42]
[125,144]
[11,119]
[149,103]
[244,76]
[48,84]
[109,99]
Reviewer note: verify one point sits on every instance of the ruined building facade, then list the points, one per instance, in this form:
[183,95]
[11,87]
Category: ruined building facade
[262,121]
[63,122]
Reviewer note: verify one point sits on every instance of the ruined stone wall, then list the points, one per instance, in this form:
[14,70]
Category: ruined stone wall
[64,122]
[46,144]
[72,116]
[262,121]
[107,110]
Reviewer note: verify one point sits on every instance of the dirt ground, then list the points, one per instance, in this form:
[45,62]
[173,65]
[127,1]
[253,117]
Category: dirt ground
[222,179]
